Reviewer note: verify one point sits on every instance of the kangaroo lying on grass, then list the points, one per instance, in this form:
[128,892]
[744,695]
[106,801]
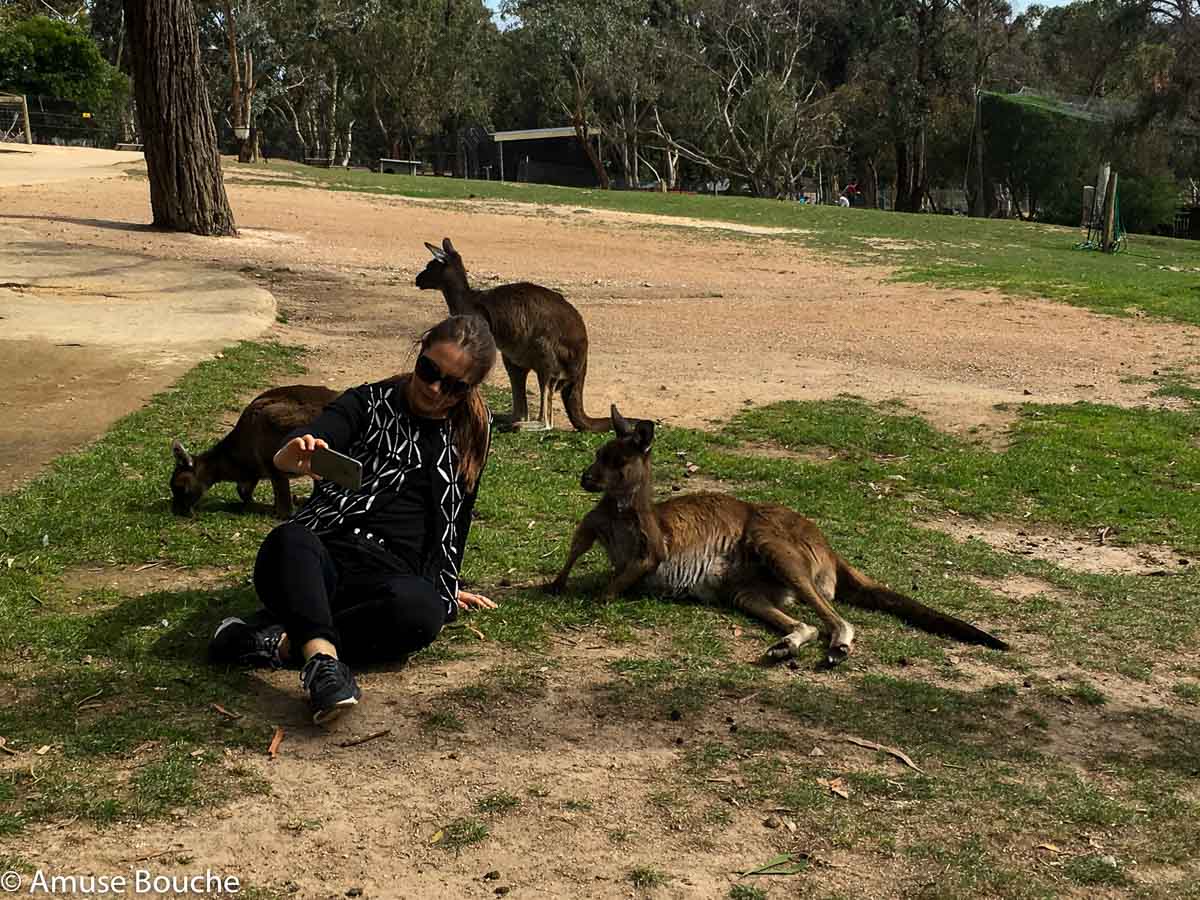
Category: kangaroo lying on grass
[244,455]
[534,327]
[763,559]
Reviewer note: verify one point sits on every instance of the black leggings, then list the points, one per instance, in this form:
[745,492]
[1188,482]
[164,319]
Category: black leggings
[349,591]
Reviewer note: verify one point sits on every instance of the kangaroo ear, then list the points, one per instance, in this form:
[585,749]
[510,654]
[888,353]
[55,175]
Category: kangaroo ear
[620,426]
[448,247]
[645,434]
[436,251]
[181,455]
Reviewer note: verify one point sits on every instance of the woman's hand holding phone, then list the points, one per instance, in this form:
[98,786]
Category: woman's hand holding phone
[295,457]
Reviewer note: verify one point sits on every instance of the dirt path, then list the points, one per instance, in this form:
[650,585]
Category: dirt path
[684,327]
[90,334]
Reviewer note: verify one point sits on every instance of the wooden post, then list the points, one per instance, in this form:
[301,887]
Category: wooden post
[25,118]
[1110,217]
[500,148]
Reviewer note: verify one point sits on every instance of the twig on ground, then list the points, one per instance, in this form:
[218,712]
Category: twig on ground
[89,698]
[899,754]
[223,711]
[151,855]
[369,737]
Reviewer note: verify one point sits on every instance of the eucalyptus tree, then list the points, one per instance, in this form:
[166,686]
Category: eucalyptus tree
[187,191]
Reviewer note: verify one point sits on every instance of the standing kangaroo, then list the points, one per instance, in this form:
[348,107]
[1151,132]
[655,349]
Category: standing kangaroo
[760,557]
[534,327]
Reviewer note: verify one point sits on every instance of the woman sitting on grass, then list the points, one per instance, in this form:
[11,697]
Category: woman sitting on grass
[372,574]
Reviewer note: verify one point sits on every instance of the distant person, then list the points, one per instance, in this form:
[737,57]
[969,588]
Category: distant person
[372,574]
[851,194]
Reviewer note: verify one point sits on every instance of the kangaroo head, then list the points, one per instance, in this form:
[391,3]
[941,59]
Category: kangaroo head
[186,486]
[622,466]
[445,270]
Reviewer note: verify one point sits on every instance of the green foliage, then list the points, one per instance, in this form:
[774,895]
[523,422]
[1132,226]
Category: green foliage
[56,59]
[1042,148]
[1147,202]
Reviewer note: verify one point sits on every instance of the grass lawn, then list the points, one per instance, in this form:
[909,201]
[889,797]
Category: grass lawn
[102,677]
[1154,276]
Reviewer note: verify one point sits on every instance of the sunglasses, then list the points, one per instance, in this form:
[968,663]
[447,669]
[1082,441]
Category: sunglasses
[427,370]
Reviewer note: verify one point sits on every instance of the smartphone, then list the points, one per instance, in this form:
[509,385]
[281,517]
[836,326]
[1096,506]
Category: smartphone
[337,467]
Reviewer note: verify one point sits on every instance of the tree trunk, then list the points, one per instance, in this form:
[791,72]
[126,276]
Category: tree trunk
[235,80]
[331,135]
[979,208]
[347,144]
[187,192]
[903,178]
[579,122]
[593,158]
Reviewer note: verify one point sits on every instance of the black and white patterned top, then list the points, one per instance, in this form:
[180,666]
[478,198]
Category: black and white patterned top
[411,500]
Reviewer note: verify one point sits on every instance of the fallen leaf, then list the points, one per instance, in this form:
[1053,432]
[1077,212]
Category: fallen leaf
[785,864]
[276,740]
[223,711]
[437,836]
[198,752]
[838,786]
[1051,847]
[42,750]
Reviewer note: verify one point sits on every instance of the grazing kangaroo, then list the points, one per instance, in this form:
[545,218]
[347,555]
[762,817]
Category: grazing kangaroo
[762,558]
[244,455]
[534,327]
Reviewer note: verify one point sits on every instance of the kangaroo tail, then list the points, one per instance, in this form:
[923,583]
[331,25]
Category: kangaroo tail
[856,588]
[572,395]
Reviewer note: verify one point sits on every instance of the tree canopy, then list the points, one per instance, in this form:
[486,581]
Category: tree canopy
[772,97]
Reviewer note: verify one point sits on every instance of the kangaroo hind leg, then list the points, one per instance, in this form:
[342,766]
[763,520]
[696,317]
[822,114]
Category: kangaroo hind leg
[761,598]
[518,378]
[812,575]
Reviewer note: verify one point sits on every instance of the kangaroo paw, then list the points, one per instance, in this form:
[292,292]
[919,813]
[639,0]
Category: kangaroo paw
[790,645]
[841,644]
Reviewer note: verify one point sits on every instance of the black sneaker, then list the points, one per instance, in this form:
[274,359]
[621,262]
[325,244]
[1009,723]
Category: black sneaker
[235,641]
[331,687]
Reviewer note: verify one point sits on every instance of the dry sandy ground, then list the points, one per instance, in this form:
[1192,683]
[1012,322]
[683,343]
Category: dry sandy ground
[89,333]
[686,326]
[40,164]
